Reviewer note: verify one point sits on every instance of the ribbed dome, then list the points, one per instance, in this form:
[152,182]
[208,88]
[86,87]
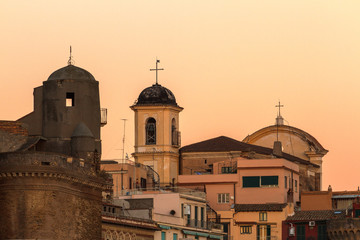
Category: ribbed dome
[156,94]
[71,72]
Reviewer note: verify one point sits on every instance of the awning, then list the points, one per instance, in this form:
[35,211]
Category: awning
[196,233]
[215,237]
[164,227]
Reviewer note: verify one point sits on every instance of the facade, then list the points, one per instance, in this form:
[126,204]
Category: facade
[157,135]
[295,142]
[310,224]
[198,158]
[124,173]
[180,213]
[255,181]
[51,187]
[260,221]
[116,225]
[241,181]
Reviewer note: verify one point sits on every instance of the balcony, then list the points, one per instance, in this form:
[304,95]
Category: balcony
[204,225]
[103,116]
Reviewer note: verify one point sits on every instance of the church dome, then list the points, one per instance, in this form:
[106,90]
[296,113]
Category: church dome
[156,95]
[71,72]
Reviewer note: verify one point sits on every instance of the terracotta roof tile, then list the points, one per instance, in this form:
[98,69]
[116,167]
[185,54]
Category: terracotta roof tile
[226,144]
[317,215]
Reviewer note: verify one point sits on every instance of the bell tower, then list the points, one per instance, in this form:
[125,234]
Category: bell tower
[157,135]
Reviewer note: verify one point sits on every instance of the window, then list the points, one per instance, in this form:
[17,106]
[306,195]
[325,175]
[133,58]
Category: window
[196,215]
[269,181]
[175,236]
[322,234]
[150,131]
[173,133]
[263,232]
[142,182]
[249,182]
[263,181]
[163,235]
[182,210]
[130,183]
[223,197]
[357,213]
[300,232]
[70,99]
[226,170]
[285,181]
[202,216]
[262,216]
[245,229]
[295,185]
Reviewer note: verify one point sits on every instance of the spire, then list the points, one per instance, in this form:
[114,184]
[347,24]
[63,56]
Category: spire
[71,60]
[157,69]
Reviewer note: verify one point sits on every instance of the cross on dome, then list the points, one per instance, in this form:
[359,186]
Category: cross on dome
[157,69]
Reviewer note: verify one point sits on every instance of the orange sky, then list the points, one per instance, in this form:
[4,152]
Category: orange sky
[227,62]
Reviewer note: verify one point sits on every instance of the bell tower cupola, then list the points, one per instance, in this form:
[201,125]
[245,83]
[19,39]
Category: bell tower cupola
[157,135]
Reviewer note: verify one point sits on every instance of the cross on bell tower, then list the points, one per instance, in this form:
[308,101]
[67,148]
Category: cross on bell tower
[157,69]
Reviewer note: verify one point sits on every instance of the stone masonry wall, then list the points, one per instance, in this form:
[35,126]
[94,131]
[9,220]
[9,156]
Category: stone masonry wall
[48,196]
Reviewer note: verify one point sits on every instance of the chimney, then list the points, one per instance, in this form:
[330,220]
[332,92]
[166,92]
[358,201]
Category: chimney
[277,150]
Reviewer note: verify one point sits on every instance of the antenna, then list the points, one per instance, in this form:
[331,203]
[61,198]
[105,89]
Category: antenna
[123,149]
[71,60]
[157,69]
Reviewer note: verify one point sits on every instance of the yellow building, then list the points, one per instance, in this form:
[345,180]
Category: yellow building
[257,221]
[157,135]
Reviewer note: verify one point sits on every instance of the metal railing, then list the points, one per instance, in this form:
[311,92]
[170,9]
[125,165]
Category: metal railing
[166,190]
[204,224]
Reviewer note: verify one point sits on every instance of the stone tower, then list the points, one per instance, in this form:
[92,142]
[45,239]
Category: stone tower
[50,184]
[157,135]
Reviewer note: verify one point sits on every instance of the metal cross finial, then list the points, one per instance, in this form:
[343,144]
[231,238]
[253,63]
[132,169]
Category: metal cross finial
[70,61]
[279,106]
[157,69]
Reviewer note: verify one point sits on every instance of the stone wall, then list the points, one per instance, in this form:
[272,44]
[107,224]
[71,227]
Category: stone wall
[12,136]
[48,196]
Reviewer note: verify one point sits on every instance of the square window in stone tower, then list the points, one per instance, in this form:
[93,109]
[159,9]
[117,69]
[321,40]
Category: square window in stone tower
[70,99]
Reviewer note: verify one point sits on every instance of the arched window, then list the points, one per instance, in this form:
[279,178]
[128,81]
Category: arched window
[173,132]
[150,131]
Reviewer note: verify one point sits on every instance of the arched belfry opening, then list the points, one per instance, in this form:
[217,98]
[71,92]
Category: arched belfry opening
[173,132]
[150,130]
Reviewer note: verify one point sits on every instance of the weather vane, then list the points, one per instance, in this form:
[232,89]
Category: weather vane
[71,60]
[157,69]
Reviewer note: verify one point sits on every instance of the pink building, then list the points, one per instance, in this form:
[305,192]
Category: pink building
[245,181]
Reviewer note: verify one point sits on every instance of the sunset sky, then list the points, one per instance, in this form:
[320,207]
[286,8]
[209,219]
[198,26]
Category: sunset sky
[227,62]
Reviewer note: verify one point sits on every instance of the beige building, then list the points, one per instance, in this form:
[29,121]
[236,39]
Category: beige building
[180,214]
[157,135]
[295,142]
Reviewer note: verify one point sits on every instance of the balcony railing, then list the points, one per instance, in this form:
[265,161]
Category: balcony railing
[204,225]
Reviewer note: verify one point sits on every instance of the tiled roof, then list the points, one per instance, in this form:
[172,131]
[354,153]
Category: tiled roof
[317,215]
[270,207]
[226,144]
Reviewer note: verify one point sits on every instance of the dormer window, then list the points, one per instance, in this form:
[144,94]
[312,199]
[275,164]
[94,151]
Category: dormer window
[150,131]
